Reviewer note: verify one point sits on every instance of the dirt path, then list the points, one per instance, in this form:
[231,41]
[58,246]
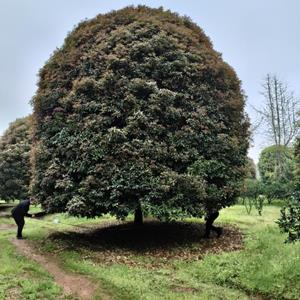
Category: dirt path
[72,284]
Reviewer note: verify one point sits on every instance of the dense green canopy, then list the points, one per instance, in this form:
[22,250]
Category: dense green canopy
[276,163]
[15,145]
[136,110]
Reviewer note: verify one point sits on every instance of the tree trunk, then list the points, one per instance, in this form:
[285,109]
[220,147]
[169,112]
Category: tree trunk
[138,216]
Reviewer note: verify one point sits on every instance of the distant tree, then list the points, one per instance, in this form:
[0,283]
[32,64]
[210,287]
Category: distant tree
[268,168]
[253,188]
[15,171]
[136,113]
[278,190]
[279,118]
[277,183]
[250,192]
[250,168]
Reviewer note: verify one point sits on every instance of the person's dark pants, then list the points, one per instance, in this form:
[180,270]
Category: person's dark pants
[210,227]
[20,222]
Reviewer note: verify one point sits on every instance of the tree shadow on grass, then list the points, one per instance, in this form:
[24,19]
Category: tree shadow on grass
[122,243]
[137,238]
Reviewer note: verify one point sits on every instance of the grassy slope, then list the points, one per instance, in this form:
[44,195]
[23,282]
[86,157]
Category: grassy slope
[266,266]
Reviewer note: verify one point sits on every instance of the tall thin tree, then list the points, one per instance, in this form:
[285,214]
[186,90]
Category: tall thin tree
[279,118]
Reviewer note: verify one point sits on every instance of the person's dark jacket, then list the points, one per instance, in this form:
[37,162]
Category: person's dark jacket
[21,210]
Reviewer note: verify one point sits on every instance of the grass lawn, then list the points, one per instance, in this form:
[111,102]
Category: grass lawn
[21,278]
[266,267]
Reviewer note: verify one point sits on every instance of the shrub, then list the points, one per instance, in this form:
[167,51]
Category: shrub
[251,194]
[289,221]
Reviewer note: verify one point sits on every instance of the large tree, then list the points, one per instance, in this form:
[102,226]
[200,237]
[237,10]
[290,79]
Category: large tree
[136,113]
[15,170]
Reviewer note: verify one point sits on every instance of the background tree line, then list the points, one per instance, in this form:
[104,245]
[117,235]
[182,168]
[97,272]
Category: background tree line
[278,165]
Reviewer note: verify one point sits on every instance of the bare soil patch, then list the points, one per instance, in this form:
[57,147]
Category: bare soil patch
[152,245]
[74,284]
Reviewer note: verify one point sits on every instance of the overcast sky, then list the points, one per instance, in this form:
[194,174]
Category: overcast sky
[256,37]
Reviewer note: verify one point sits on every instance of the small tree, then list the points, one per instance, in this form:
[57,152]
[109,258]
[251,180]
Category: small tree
[250,193]
[259,203]
[15,169]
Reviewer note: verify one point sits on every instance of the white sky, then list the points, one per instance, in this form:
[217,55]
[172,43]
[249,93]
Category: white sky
[256,37]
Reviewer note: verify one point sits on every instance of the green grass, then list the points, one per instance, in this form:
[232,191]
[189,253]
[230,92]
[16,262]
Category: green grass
[21,278]
[266,268]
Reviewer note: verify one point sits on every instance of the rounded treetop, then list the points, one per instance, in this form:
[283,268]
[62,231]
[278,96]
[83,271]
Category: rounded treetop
[137,111]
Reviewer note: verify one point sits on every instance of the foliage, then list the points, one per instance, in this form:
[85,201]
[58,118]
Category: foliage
[269,169]
[252,195]
[137,109]
[252,188]
[249,186]
[278,190]
[297,169]
[15,171]
[289,221]
[250,168]
[259,203]
[276,167]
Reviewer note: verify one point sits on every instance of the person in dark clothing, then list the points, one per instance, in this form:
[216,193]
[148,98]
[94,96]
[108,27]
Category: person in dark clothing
[18,213]
[210,218]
